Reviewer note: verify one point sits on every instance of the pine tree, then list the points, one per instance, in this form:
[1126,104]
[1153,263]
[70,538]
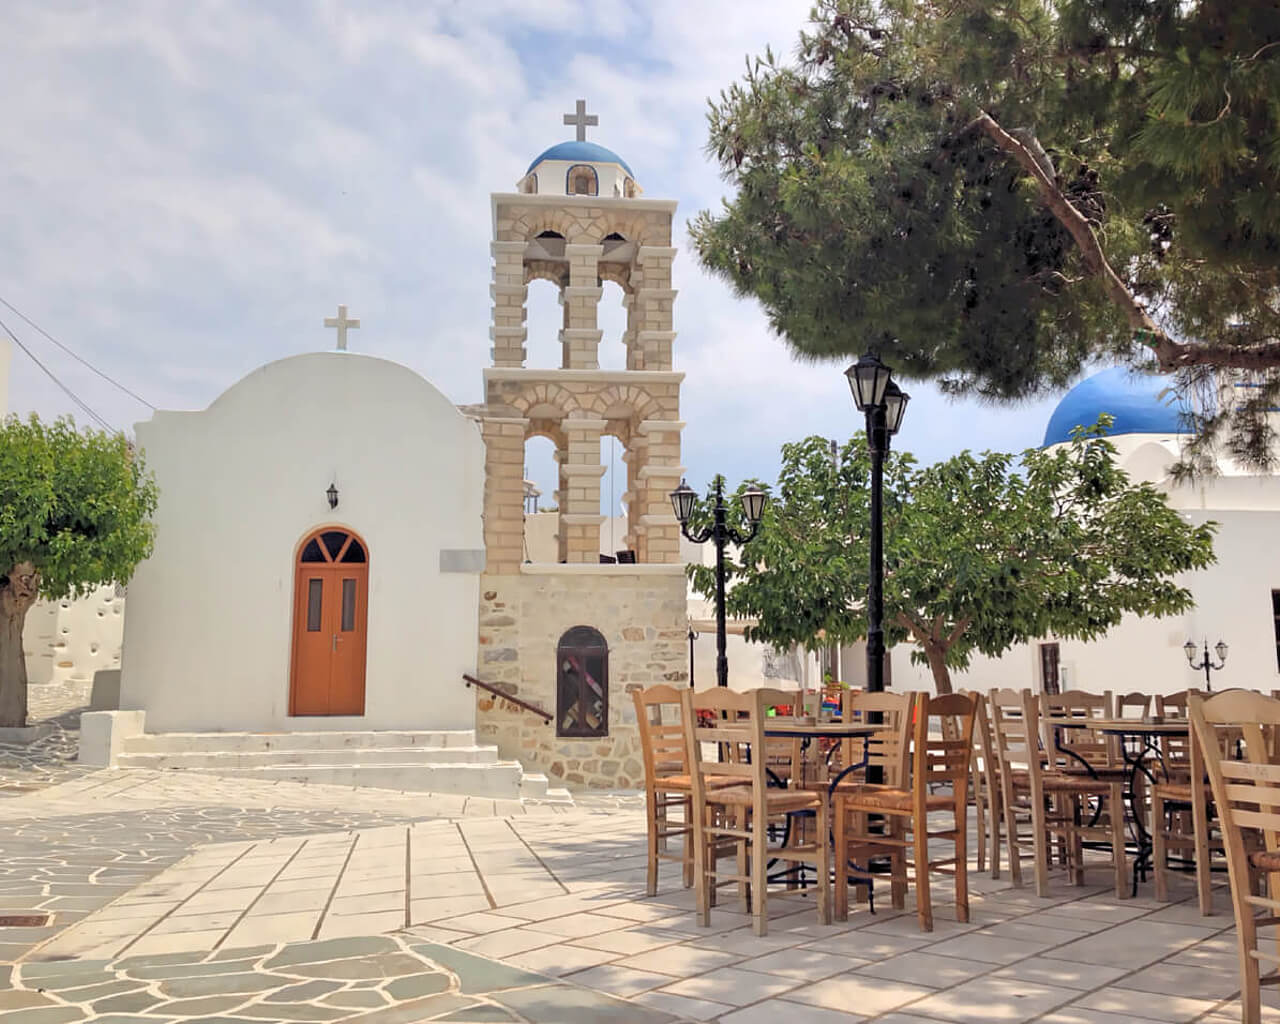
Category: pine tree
[993,193]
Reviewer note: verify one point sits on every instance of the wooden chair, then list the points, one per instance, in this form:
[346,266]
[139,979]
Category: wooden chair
[1133,705]
[740,813]
[941,760]
[1247,795]
[1183,818]
[985,785]
[668,783]
[1052,801]
[1079,750]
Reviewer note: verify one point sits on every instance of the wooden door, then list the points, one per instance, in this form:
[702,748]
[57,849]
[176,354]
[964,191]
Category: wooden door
[330,619]
[1049,671]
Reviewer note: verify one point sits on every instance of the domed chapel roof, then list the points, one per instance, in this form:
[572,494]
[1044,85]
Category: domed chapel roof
[1130,397]
[581,152]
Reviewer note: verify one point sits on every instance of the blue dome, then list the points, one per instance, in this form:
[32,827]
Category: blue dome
[581,153]
[1131,398]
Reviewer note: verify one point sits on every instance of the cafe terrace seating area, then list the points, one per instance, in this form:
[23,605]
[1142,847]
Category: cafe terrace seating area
[1003,856]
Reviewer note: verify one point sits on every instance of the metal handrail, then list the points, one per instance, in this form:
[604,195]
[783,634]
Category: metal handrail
[473,681]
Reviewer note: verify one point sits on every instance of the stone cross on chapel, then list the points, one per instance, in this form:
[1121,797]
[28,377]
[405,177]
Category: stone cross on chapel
[342,323]
[580,119]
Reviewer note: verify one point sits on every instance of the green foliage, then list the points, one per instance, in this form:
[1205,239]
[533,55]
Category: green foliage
[871,211]
[76,504]
[981,552]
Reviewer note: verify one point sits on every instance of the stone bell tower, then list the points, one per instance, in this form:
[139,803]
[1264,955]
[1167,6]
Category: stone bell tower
[577,219]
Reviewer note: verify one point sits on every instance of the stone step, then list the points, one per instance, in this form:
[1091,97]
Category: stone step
[500,780]
[245,742]
[308,758]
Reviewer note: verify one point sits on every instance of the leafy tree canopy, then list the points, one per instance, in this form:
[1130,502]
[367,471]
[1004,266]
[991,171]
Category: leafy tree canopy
[993,193]
[75,510]
[981,552]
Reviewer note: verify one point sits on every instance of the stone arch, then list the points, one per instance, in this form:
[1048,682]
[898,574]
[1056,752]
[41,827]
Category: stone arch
[564,401]
[546,270]
[618,273]
[533,223]
[643,406]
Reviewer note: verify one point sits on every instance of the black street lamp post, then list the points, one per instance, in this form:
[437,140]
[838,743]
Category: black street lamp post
[683,499]
[1206,663]
[883,403]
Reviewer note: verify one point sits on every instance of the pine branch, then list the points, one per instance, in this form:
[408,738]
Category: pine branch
[1171,355]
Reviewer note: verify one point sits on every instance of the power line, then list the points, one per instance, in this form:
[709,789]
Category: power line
[31,323]
[53,377]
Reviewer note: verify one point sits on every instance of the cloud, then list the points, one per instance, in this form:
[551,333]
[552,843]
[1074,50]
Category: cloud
[190,188]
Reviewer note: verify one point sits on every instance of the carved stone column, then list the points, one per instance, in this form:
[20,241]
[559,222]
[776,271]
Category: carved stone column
[656,479]
[504,493]
[654,308]
[581,298]
[581,471]
[510,293]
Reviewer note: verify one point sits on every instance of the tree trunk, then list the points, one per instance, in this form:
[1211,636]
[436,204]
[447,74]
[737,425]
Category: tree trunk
[937,656]
[17,594]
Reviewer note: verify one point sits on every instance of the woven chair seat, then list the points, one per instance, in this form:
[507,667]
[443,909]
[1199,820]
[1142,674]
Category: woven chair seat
[1178,792]
[775,800]
[684,783]
[1058,782]
[881,798]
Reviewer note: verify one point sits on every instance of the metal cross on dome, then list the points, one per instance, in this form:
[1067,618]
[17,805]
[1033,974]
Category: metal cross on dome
[580,119]
[342,323]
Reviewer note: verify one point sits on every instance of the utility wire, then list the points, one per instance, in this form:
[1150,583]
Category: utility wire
[53,377]
[31,323]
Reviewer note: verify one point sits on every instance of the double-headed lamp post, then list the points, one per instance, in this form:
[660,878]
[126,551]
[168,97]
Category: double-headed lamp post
[683,498]
[1191,650]
[883,403]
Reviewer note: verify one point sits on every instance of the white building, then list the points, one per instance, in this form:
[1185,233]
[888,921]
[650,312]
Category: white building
[1237,598]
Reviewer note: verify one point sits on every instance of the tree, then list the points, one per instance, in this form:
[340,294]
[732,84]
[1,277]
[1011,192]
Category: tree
[993,193]
[75,513]
[981,552]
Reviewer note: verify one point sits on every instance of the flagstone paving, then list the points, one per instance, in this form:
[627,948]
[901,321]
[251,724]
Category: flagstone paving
[187,898]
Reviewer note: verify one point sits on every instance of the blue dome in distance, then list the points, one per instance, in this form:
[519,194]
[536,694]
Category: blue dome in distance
[1131,398]
[581,153]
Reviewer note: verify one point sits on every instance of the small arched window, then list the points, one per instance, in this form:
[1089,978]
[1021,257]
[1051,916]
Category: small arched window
[581,180]
[629,189]
[582,683]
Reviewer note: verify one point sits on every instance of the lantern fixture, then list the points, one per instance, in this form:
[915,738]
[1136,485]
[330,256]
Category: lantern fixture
[1221,648]
[868,380]
[332,495]
[683,499]
[753,502]
[1190,650]
[895,406]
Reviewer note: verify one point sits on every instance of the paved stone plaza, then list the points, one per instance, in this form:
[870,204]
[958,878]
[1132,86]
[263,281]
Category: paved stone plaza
[180,897]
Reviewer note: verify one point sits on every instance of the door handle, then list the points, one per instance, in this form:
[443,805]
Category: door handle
[334,648]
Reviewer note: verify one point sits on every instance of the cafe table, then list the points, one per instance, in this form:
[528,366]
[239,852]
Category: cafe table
[1139,740]
[807,730]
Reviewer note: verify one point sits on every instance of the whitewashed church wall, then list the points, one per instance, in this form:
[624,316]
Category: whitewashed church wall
[1233,603]
[209,632]
[70,640]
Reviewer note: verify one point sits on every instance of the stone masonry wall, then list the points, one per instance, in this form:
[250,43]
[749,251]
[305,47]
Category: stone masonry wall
[643,617]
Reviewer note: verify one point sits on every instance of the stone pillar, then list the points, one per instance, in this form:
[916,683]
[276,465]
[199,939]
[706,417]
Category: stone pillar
[657,478]
[654,307]
[510,293]
[581,298]
[580,516]
[504,493]
[635,457]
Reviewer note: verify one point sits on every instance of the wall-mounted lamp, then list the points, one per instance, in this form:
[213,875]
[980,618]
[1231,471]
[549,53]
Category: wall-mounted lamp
[332,494]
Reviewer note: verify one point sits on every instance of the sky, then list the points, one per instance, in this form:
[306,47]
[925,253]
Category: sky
[190,188]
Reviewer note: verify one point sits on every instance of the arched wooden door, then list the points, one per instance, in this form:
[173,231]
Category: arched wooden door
[330,618]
